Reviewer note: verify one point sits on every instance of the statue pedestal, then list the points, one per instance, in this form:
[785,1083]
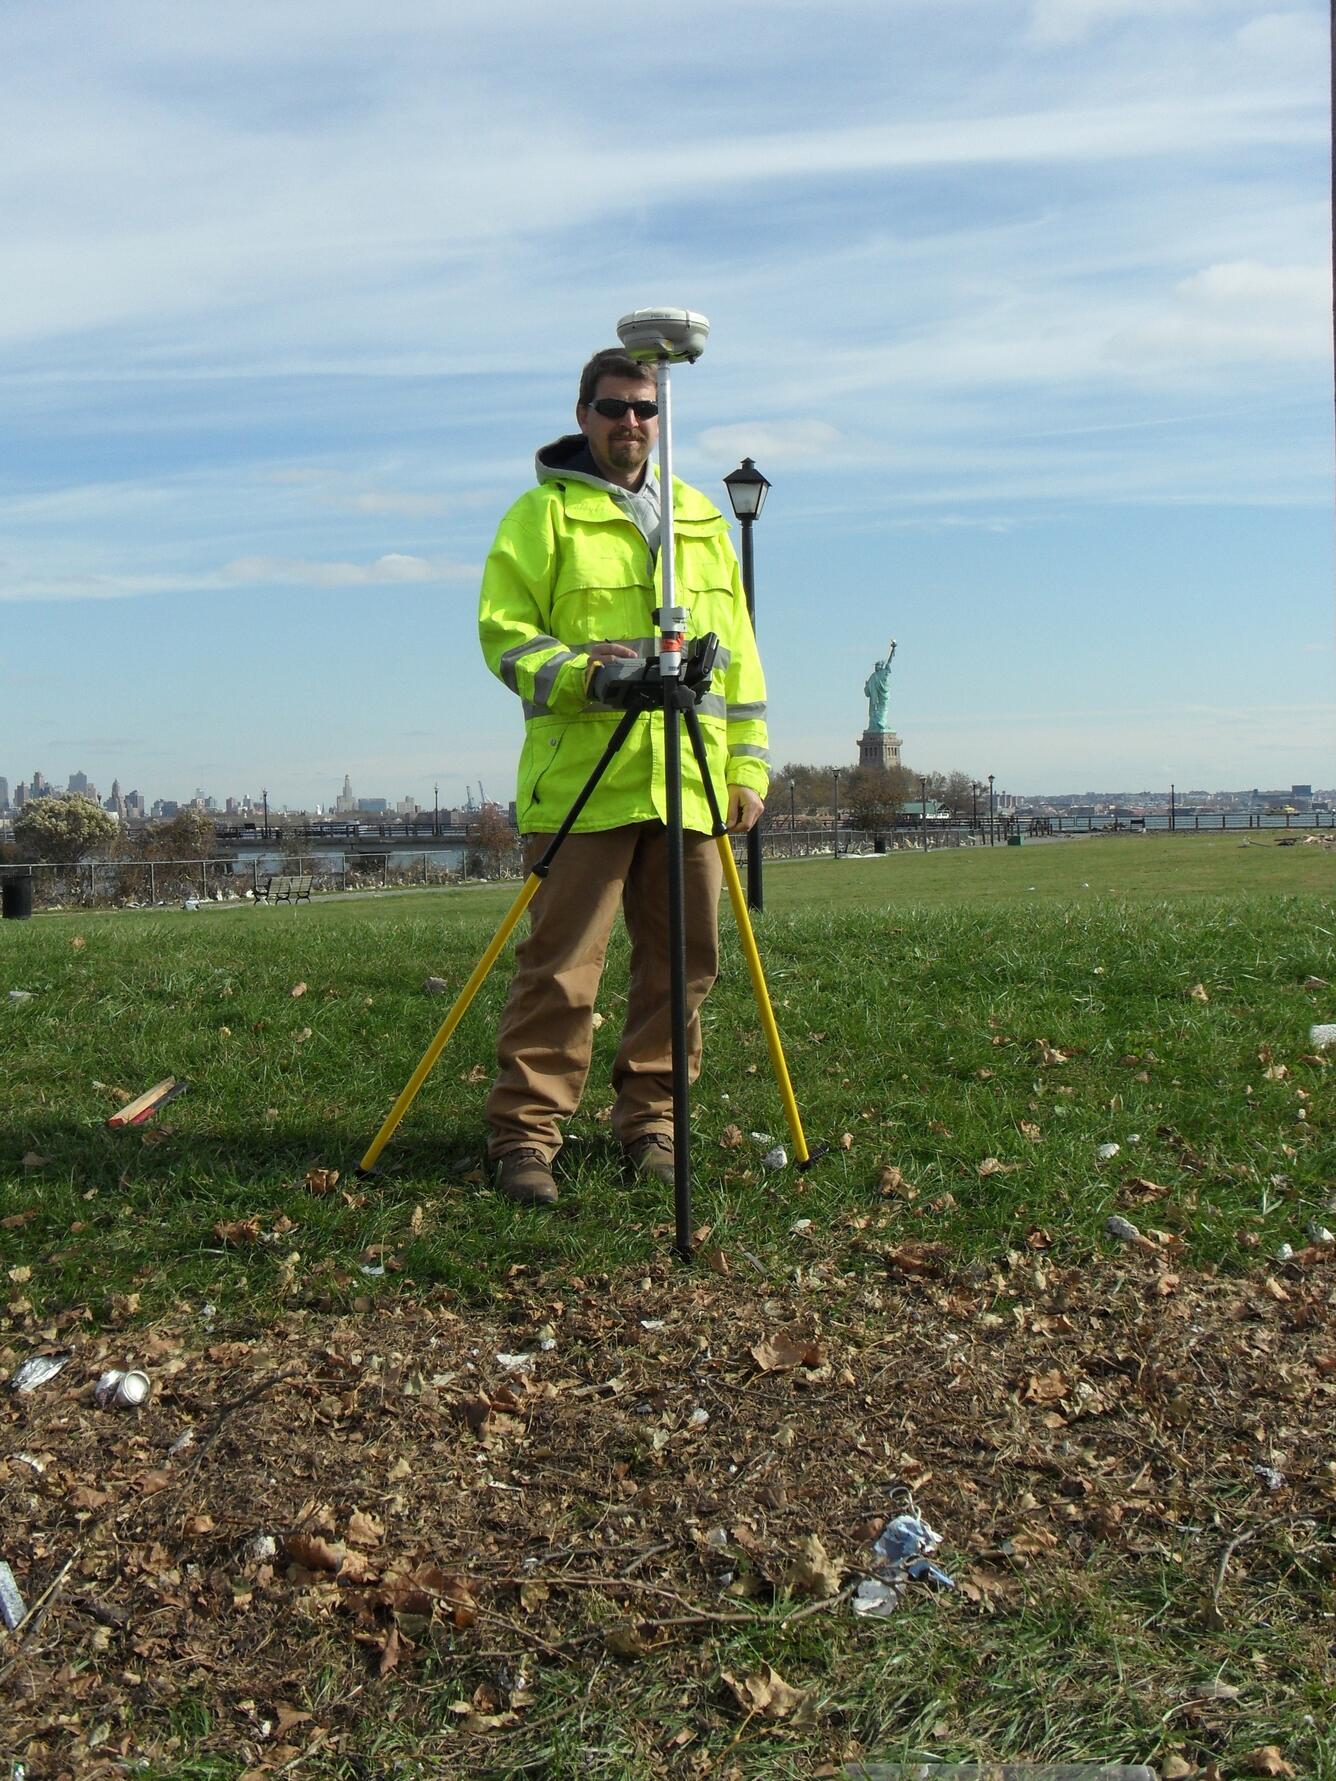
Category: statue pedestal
[879,748]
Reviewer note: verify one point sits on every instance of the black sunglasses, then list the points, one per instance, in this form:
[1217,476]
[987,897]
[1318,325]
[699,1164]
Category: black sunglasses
[612,408]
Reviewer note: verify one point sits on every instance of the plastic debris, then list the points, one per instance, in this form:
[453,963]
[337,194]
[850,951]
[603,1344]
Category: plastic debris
[373,1273]
[1318,1233]
[874,1597]
[1269,1476]
[37,1371]
[761,1138]
[1284,1253]
[1106,1151]
[20,995]
[514,1363]
[117,1390]
[259,1549]
[775,1159]
[191,903]
[152,1101]
[185,1439]
[12,1608]
[435,986]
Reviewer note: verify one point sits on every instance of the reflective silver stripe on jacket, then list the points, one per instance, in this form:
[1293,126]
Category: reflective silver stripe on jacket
[743,713]
[751,751]
[546,677]
[713,705]
[517,654]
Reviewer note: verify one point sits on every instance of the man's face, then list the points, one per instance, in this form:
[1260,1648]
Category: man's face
[620,448]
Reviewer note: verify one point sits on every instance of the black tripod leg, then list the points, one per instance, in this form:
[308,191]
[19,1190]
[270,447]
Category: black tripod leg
[677,948]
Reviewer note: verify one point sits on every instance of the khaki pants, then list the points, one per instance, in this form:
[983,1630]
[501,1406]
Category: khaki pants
[545,1038]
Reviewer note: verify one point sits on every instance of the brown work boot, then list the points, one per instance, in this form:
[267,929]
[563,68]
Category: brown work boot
[526,1177]
[653,1157]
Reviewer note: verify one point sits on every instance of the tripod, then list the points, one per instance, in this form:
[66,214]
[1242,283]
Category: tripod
[668,685]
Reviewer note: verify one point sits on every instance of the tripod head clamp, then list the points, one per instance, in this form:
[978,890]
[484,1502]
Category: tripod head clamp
[625,685]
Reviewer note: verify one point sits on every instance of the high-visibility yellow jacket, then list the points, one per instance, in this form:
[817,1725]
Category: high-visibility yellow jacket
[569,568]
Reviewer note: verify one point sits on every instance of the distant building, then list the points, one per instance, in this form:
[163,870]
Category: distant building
[78,784]
[373,806]
[345,803]
[4,794]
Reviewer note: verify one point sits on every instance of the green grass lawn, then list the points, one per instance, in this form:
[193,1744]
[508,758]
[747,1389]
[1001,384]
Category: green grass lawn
[969,1032]
[1024,1004]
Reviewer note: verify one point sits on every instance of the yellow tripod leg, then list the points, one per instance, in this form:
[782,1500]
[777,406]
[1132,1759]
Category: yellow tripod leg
[450,1022]
[777,1063]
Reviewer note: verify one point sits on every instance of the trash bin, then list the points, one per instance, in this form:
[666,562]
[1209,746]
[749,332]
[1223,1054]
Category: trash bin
[16,898]
[879,844]
[1013,840]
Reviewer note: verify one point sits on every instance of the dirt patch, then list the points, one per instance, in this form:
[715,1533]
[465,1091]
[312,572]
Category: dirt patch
[306,1519]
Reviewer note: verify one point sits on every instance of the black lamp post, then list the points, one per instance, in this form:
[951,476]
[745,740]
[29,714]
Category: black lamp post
[836,846]
[265,831]
[436,810]
[992,807]
[747,490]
[923,806]
[974,805]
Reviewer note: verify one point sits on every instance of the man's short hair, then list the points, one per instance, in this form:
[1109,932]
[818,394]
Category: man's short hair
[613,361]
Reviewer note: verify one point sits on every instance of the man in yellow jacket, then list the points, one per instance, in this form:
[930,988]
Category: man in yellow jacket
[570,585]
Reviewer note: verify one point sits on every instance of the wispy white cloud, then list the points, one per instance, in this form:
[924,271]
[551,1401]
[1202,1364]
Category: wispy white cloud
[778,441]
[1239,311]
[254,572]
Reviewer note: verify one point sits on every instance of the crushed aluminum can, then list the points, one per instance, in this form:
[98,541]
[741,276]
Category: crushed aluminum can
[13,1610]
[117,1390]
[906,1538]
[36,1371]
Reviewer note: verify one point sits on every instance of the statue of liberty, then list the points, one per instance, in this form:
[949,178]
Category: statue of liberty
[877,692]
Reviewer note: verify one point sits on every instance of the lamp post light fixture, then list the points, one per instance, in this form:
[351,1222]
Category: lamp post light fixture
[747,490]
[992,809]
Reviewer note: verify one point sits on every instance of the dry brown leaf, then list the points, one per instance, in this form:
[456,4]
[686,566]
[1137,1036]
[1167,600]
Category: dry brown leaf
[992,1165]
[1198,993]
[626,1641]
[732,1138]
[364,1529]
[780,1353]
[31,1160]
[894,1185]
[764,1691]
[314,1553]
[813,1572]
[238,1231]
[322,1181]
[1031,1131]
[298,989]
[1267,1760]
[1047,1388]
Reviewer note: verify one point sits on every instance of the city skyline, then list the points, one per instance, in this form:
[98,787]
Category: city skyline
[1022,306]
[349,802]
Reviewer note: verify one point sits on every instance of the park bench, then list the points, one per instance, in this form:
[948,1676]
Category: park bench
[284,887]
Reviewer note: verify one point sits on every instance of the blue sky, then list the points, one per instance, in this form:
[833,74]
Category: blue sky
[1022,305]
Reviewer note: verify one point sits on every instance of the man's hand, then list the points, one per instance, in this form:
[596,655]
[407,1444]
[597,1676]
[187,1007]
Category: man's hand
[608,652]
[744,809]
